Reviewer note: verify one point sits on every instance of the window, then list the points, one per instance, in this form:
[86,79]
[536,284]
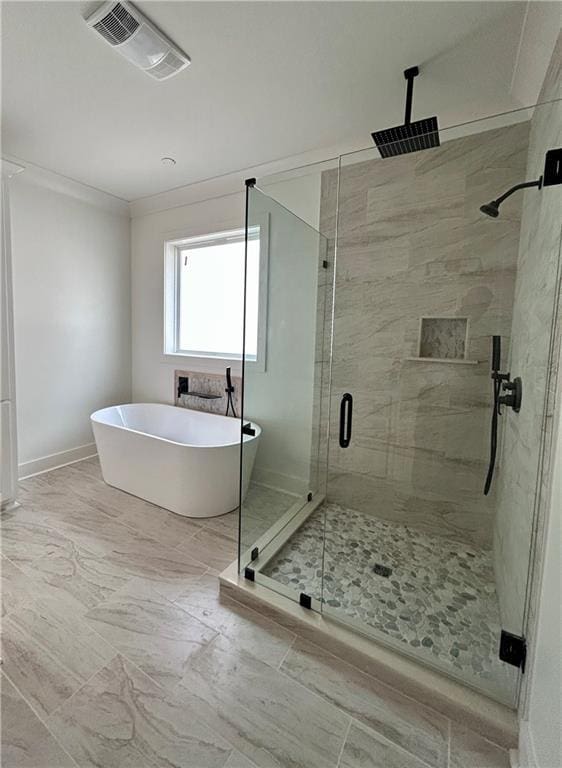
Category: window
[205,295]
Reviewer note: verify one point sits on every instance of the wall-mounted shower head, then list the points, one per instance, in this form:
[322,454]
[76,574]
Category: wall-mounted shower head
[491,209]
[552,175]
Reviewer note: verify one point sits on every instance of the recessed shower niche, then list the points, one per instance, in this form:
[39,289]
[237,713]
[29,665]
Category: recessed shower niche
[443,338]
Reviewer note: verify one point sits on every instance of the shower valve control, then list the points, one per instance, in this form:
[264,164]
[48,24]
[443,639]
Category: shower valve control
[515,394]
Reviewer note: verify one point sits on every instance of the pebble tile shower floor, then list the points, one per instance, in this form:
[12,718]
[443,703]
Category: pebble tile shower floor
[436,595]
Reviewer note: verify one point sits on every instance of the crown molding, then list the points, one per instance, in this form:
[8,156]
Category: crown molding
[35,174]
[10,169]
[233,183]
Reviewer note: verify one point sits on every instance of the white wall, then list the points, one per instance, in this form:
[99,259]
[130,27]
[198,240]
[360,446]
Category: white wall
[71,265]
[153,372]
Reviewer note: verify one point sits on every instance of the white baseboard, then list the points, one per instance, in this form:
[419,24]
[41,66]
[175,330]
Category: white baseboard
[55,460]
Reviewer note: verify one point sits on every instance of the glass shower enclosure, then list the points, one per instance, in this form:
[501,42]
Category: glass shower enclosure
[396,316]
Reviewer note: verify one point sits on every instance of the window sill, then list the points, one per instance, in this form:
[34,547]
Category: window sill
[210,364]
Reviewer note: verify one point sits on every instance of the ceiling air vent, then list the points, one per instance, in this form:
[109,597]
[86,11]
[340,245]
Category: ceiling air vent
[130,33]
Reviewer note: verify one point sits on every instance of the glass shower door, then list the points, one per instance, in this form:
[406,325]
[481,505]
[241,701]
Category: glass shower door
[285,377]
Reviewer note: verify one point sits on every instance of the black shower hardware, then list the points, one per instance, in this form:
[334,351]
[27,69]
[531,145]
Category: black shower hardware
[183,389]
[229,390]
[346,413]
[552,175]
[411,136]
[511,400]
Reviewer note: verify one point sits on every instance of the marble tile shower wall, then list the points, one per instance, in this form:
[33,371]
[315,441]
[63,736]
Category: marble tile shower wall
[537,293]
[411,244]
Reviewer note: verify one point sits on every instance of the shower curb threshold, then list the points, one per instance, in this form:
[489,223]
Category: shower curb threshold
[463,705]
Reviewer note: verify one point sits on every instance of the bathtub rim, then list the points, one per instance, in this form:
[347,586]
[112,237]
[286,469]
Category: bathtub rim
[94,419]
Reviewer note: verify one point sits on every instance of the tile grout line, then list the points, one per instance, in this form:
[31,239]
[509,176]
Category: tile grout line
[480,736]
[82,619]
[363,725]
[286,654]
[86,682]
[380,682]
[173,692]
[245,653]
[394,745]
[40,718]
[344,742]
[316,695]
[262,616]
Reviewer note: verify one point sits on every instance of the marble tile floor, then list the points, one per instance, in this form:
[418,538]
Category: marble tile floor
[118,653]
[438,597]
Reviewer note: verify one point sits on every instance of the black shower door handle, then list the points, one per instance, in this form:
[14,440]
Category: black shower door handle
[346,413]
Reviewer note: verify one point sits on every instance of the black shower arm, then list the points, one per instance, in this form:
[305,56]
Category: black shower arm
[524,185]
[409,74]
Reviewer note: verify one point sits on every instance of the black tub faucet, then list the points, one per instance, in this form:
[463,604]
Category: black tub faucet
[229,394]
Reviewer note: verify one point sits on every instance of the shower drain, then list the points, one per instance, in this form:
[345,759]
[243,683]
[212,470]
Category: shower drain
[382,570]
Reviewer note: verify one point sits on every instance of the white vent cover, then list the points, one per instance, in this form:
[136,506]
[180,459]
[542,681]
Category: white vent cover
[137,39]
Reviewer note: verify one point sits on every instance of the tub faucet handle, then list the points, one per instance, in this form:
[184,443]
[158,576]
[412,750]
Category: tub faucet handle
[183,386]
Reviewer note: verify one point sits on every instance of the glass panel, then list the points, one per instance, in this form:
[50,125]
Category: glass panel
[284,463]
[416,555]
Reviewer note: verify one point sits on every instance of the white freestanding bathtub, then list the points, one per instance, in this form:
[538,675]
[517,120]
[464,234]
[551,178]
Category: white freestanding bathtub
[185,461]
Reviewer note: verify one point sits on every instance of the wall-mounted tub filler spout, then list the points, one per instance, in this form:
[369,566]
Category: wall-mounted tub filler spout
[183,389]
[552,175]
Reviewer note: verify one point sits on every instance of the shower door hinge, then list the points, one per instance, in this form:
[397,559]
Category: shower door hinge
[325,264]
[305,600]
[513,649]
[309,497]
[255,554]
[249,574]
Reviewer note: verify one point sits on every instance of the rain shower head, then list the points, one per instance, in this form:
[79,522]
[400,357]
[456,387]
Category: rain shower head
[411,136]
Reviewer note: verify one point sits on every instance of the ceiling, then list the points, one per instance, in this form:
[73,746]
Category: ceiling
[267,81]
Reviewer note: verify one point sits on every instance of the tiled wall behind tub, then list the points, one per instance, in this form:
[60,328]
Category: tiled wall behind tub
[208,383]
[412,243]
